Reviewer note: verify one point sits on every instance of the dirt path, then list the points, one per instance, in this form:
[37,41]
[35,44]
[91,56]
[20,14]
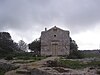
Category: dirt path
[29,66]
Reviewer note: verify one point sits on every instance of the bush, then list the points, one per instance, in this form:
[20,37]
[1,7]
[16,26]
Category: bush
[2,72]
[4,67]
[9,58]
[72,64]
[52,63]
[66,64]
[75,55]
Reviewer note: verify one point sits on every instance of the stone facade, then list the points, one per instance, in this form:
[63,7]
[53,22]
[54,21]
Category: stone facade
[55,41]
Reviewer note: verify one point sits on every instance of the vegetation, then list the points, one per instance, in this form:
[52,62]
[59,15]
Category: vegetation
[73,45]
[8,58]
[4,67]
[66,64]
[74,52]
[73,64]
[7,45]
[2,72]
[22,45]
[35,46]
[90,54]
[23,56]
[20,58]
[9,49]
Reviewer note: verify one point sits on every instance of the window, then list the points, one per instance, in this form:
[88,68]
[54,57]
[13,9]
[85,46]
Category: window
[54,35]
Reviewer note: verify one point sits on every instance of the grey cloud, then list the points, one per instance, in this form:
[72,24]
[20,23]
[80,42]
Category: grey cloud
[25,15]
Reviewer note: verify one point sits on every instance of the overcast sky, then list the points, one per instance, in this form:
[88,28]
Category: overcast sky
[25,19]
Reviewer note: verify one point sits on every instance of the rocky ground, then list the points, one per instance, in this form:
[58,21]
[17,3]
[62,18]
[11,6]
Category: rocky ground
[34,68]
[64,71]
[25,69]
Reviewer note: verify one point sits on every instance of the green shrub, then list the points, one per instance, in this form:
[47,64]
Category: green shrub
[2,72]
[51,63]
[75,54]
[78,64]
[9,58]
[72,64]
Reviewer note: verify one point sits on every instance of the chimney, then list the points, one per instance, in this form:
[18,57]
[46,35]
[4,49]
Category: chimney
[45,29]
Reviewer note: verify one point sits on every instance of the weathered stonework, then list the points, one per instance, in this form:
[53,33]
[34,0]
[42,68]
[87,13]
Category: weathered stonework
[55,41]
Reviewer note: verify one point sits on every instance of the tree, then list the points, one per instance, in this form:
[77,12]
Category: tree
[73,45]
[74,52]
[23,46]
[7,45]
[35,46]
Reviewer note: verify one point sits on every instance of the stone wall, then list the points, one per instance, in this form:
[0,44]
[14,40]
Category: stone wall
[55,41]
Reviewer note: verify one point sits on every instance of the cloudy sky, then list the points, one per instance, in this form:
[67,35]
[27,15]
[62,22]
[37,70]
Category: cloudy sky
[25,19]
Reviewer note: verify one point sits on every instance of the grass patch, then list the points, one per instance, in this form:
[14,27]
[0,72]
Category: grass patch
[94,63]
[91,55]
[2,72]
[25,59]
[29,58]
[78,64]
[73,64]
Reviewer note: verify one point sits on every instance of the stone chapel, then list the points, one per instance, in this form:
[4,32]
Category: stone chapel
[54,42]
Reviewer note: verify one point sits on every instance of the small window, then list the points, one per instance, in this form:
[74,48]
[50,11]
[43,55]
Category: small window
[54,35]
